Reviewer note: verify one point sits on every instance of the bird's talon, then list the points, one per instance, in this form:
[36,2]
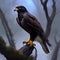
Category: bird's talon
[24,42]
[29,42]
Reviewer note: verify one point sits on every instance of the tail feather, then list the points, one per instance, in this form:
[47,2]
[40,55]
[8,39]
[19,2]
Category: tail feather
[48,43]
[44,47]
[44,42]
[45,39]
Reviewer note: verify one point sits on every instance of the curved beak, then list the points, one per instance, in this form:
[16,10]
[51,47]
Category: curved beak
[16,9]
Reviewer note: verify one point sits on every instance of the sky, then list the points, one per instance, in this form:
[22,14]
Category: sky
[19,34]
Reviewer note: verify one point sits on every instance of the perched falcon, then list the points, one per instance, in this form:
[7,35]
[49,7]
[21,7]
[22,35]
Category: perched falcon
[30,24]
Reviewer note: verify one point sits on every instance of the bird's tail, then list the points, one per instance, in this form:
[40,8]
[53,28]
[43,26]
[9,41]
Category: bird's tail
[48,42]
[44,47]
[44,43]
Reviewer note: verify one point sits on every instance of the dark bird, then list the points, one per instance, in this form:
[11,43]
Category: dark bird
[30,24]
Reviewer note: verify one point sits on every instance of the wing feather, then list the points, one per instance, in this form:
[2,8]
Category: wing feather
[33,22]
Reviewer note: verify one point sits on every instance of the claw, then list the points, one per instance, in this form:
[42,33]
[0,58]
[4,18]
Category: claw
[29,42]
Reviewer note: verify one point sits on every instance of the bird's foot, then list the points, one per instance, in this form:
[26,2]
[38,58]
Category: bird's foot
[29,42]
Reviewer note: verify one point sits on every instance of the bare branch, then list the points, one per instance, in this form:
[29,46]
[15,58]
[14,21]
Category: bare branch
[44,4]
[46,1]
[7,29]
[49,18]
[49,24]
[41,2]
[48,28]
[54,10]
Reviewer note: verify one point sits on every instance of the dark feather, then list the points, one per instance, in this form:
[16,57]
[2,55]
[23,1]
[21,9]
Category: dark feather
[30,24]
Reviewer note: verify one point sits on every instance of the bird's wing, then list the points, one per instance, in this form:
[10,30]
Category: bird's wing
[32,21]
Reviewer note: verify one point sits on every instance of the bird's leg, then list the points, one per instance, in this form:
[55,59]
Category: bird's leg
[29,42]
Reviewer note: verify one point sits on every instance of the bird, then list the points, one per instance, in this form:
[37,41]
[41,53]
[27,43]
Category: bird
[31,25]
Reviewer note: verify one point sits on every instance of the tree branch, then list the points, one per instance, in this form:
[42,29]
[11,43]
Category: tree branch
[49,18]
[53,11]
[44,4]
[48,29]
[11,53]
[7,29]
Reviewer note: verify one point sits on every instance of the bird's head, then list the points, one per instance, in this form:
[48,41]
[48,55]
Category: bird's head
[20,9]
